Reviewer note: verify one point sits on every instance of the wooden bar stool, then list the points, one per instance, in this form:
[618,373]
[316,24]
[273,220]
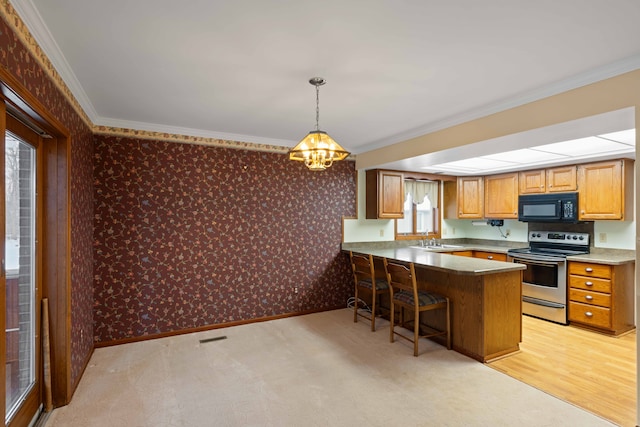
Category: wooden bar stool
[404,293]
[364,276]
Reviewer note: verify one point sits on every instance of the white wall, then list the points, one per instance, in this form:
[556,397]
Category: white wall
[459,228]
[614,234]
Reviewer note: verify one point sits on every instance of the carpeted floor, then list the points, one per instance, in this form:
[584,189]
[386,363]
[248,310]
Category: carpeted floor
[314,370]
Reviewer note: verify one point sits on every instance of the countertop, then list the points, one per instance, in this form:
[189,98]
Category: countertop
[597,255]
[441,261]
[606,256]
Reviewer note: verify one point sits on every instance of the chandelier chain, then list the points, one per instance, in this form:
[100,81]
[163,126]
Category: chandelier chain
[317,107]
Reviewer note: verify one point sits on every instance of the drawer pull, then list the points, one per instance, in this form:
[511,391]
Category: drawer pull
[588,314]
[588,297]
[589,270]
[490,257]
[588,283]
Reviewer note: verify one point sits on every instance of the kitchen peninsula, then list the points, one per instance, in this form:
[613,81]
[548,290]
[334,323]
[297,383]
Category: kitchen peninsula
[485,296]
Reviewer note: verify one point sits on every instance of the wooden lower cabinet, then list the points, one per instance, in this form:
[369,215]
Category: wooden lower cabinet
[495,256]
[601,296]
[463,253]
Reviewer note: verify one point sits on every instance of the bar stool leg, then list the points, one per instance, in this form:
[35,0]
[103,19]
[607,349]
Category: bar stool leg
[355,307]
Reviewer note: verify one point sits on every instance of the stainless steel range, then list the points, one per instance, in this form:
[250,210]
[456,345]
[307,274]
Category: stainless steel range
[544,282]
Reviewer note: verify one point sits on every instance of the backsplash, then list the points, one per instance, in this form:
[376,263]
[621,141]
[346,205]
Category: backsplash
[188,236]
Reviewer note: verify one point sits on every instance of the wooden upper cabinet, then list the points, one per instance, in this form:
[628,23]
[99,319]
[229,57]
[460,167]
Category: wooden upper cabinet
[501,196]
[385,194]
[552,180]
[606,190]
[562,179]
[470,197]
[531,182]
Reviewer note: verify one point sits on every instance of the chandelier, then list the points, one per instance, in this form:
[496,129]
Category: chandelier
[317,150]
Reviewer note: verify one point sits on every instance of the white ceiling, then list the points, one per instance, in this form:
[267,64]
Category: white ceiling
[239,70]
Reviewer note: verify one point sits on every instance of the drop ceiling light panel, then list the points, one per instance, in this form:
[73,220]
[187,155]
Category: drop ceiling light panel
[583,147]
[526,156]
[476,164]
[627,137]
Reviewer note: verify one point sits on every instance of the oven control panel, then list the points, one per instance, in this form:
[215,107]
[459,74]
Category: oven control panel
[581,239]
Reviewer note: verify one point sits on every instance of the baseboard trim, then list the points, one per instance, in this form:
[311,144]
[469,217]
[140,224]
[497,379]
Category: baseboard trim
[210,327]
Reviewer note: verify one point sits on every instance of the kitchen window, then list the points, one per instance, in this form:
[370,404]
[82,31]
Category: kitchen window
[421,216]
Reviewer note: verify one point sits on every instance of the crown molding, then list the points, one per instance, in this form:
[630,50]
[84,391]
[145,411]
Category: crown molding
[104,123]
[40,32]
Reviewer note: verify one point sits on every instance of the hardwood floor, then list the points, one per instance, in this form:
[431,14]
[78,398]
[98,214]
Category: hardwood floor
[593,371]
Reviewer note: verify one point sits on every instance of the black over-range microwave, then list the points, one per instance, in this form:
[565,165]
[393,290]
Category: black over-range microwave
[551,207]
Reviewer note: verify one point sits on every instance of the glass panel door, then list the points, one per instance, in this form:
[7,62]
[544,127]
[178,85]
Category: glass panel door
[21,318]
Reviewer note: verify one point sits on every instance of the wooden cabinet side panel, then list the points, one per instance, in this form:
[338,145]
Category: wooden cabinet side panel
[371,195]
[502,313]
[628,197]
[623,297]
[450,199]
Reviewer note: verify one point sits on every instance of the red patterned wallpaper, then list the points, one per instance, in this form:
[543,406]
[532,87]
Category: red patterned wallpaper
[187,236]
[18,60]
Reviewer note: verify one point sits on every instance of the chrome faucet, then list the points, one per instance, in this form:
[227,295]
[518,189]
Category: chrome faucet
[433,242]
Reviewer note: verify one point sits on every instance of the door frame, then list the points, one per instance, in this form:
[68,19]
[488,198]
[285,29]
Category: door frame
[56,227]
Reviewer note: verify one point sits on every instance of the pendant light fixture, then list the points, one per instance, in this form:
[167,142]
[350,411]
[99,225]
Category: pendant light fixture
[317,150]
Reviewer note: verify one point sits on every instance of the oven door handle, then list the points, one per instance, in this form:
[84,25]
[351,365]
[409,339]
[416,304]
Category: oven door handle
[536,262]
[541,302]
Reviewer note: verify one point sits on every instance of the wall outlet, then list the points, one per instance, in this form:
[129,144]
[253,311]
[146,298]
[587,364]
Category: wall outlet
[507,232]
[602,238]
[453,231]
[382,232]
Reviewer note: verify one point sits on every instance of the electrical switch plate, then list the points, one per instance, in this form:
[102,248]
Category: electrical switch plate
[603,237]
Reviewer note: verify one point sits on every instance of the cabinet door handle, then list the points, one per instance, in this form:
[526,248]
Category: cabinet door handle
[588,297]
[588,283]
[588,314]
[550,185]
[589,270]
